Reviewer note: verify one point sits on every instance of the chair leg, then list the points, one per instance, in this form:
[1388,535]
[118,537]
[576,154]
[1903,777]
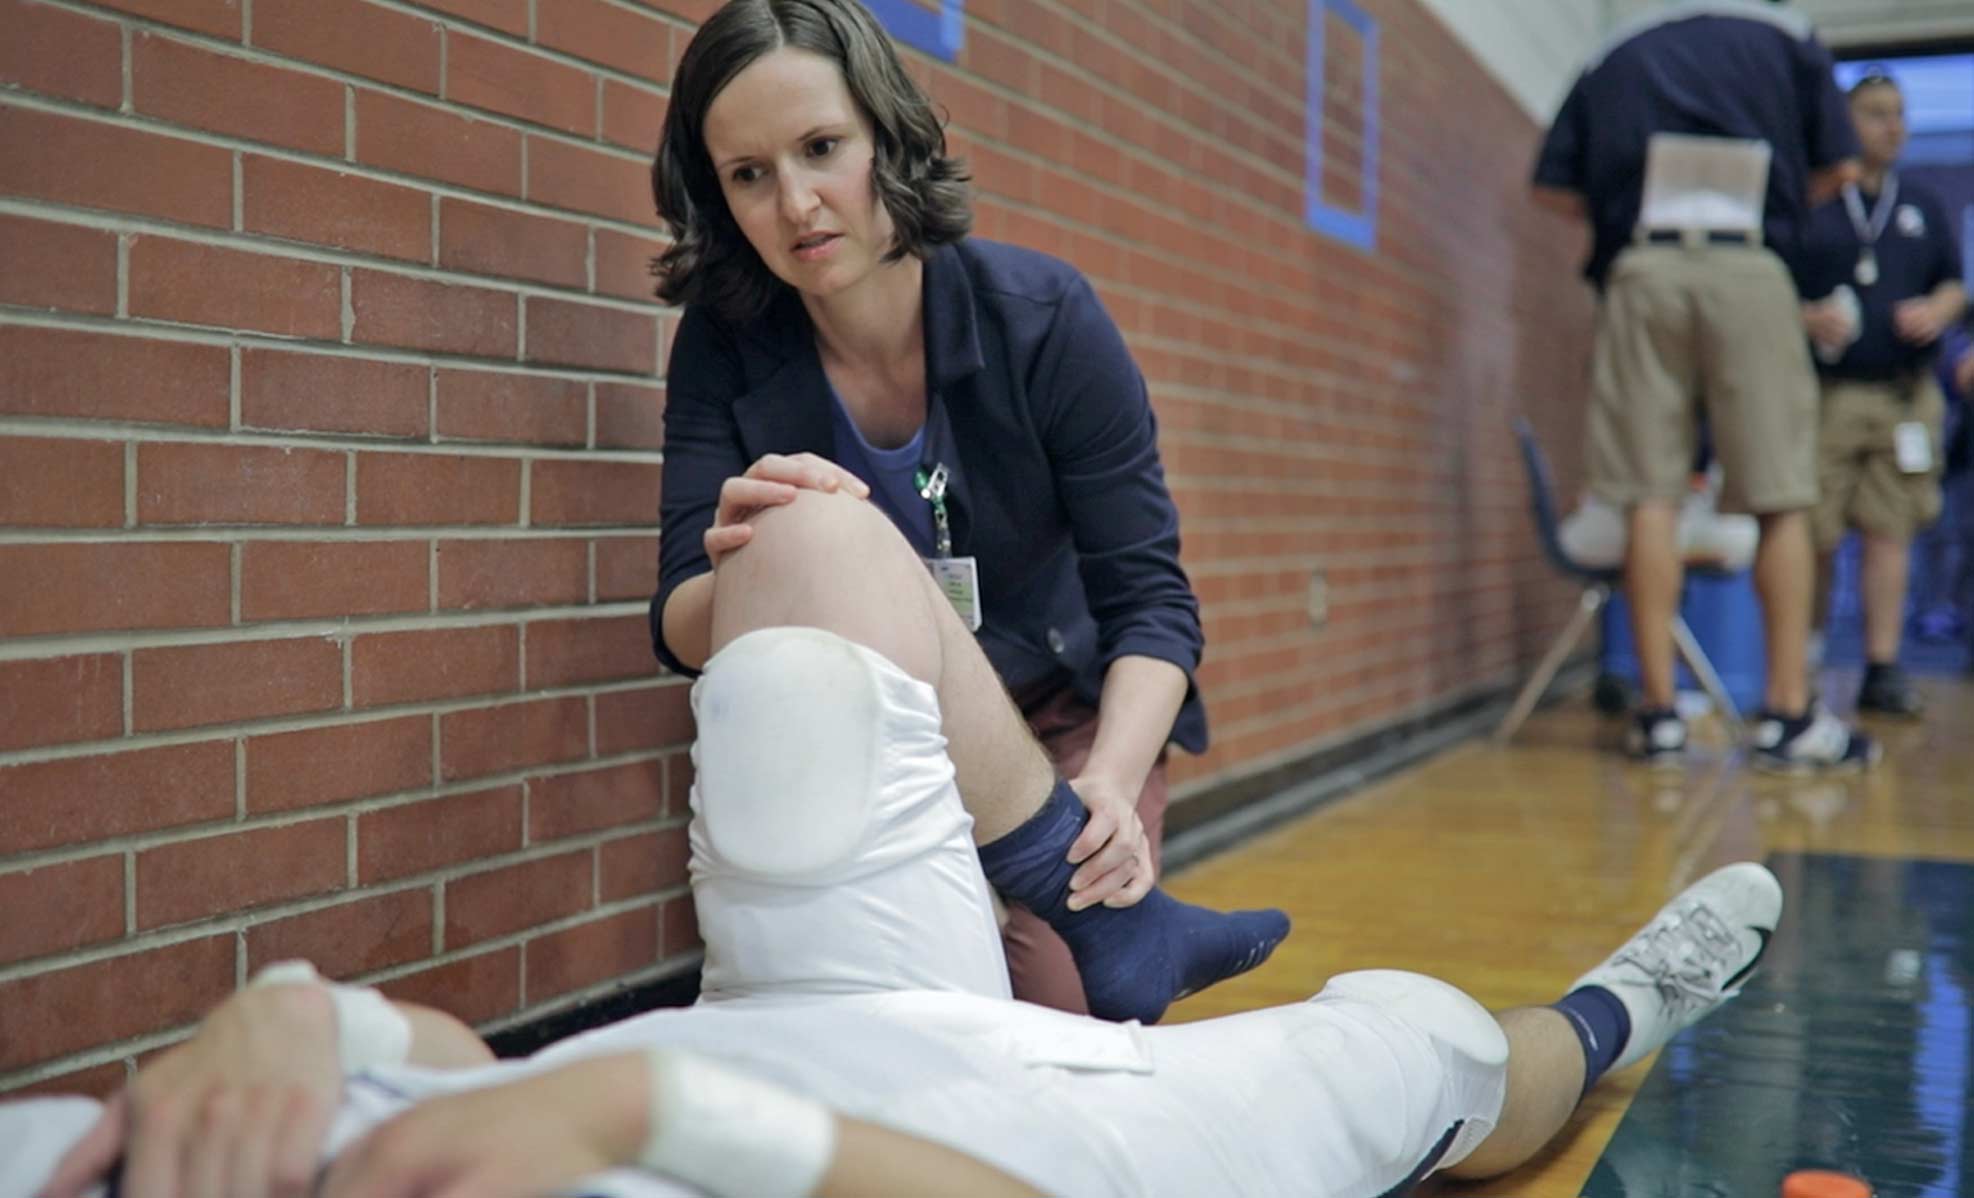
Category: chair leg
[1703,669]
[1592,602]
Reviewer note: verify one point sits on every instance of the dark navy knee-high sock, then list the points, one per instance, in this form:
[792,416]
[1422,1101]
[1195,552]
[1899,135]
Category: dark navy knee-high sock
[1602,1026]
[1134,961]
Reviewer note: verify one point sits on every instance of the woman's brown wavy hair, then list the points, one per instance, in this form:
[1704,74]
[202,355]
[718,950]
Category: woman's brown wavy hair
[710,261]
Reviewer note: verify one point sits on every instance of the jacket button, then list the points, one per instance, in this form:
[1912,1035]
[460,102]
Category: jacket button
[1056,643]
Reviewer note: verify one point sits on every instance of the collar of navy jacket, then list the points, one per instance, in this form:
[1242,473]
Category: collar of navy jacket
[786,408]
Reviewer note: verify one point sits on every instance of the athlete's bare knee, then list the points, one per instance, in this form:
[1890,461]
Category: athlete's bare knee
[820,528]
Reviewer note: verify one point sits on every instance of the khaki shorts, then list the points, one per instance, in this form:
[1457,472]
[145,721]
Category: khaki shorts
[1858,466]
[1715,327]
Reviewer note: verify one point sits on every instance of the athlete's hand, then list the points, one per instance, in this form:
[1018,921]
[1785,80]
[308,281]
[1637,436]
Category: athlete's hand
[241,1108]
[535,1136]
[1112,853]
[770,482]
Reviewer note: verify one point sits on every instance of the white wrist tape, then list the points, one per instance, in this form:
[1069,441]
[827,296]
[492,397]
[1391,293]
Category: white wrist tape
[731,1134]
[369,1030]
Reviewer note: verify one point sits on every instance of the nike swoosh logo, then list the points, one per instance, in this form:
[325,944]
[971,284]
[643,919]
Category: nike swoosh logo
[1753,961]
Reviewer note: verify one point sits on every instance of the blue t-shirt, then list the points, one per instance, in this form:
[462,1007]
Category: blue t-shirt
[1709,68]
[890,473]
[1915,253]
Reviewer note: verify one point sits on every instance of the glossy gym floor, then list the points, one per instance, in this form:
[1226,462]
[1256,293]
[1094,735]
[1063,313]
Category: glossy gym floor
[1508,870]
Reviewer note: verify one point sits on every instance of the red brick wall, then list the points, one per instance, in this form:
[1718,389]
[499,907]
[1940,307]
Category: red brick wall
[329,429]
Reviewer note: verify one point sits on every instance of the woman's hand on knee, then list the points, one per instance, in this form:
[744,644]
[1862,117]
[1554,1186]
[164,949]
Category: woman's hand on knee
[771,482]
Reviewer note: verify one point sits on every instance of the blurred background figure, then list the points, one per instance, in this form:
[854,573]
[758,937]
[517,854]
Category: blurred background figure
[1882,269]
[1943,555]
[1695,144]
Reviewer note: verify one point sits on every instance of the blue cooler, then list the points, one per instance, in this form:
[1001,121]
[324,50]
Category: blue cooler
[1726,618]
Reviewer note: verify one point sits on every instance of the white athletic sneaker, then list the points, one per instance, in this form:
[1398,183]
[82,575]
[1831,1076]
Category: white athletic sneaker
[1692,957]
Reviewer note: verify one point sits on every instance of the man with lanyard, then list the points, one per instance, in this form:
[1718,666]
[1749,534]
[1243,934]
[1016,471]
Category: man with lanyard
[1694,143]
[1882,264]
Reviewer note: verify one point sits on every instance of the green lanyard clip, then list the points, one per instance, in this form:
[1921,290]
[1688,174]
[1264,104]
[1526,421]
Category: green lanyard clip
[932,489]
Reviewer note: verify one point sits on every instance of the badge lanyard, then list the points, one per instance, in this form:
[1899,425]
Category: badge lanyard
[958,578]
[1871,229]
[932,488]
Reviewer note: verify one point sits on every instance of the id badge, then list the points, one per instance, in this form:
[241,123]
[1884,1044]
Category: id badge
[1913,447]
[959,581]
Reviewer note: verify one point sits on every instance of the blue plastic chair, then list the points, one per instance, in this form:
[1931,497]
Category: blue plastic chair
[1598,584]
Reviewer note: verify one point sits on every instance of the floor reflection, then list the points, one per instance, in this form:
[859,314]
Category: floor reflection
[1849,1051]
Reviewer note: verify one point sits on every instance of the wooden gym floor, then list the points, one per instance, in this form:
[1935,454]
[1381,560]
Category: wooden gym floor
[1510,870]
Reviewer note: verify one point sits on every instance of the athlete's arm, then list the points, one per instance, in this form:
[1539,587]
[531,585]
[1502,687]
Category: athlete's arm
[545,1132]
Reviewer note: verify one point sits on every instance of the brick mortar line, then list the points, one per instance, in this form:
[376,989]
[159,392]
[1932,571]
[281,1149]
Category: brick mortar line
[76,430]
[1278,757]
[1243,485]
[129,487]
[1335,700]
[139,123]
[245,243]
[264,57]
[527,45]
[129,895]
[71,644]
[1171,121]
[1313,451]
[318,533]
[268,247]
[287,908]
[438,918]
[13,316]
[128,102]
[1173,77]
[324,534]
[123,276]
[151,1041]
[233,357]
[1272,293]
[349,490]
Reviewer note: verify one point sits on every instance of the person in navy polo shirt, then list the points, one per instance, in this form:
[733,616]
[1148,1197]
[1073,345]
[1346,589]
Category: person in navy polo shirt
[1883,269]
[1694,144]
[842,331]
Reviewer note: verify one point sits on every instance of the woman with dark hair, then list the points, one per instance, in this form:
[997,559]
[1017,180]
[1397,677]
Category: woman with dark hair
[841,331]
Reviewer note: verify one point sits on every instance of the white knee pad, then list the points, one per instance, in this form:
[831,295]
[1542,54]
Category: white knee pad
[787,752]
[1442,1011]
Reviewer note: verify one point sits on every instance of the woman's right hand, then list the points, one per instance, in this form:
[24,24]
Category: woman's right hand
[770,482]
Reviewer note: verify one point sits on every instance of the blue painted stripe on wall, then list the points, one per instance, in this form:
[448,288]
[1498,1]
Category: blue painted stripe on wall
[1358,227]
[941,32]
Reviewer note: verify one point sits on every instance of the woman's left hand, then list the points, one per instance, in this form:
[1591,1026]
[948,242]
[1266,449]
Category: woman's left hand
[1115,855]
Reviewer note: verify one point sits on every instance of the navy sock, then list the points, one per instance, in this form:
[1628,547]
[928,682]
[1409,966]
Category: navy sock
[1602,1026]
[1134,961]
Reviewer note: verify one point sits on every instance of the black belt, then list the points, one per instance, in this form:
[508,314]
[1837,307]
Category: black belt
[1708,236]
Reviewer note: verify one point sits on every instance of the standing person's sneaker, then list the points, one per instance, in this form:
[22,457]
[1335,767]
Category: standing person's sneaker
[1813,741]
[1888,691]
[1657,738]
[1691,958]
